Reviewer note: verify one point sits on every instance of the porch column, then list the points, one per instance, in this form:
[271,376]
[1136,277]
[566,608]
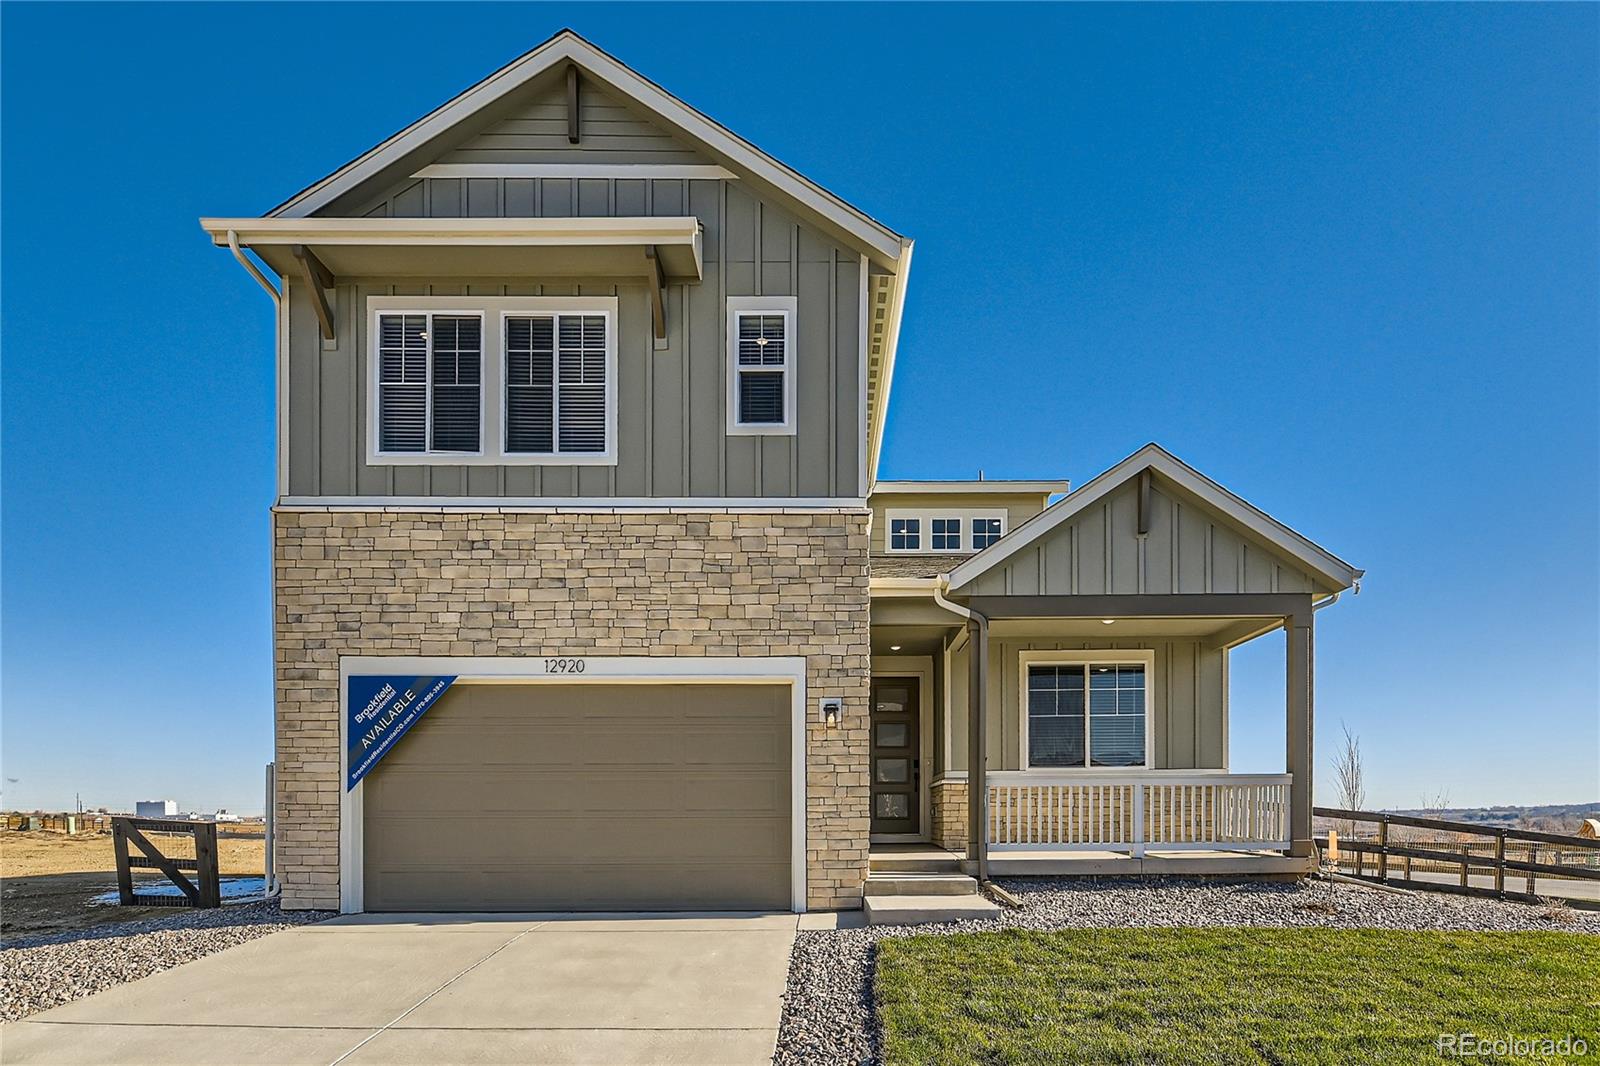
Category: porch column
[1298,631]
[977,759]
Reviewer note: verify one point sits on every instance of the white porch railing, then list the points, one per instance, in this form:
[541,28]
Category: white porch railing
[1070,811]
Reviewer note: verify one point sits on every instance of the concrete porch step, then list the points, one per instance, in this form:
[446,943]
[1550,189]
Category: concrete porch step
[915,910]
[912,858]
[895,883]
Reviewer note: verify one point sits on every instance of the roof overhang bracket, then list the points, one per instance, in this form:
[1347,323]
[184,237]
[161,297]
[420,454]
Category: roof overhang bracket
[319,281]
[658,296]
[1144,502]
[572,103]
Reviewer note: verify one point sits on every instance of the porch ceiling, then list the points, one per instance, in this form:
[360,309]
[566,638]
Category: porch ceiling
[1121,628]
[909,640]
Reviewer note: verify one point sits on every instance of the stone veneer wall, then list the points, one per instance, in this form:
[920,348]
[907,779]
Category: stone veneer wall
[538,584]
[949,801]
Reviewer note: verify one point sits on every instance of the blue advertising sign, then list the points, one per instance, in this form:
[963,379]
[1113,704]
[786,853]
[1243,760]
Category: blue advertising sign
[381,709]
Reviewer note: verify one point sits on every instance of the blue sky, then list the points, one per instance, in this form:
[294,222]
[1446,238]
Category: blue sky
[1341,258]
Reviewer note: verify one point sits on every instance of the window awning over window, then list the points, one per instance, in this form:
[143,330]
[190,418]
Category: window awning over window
[474,247]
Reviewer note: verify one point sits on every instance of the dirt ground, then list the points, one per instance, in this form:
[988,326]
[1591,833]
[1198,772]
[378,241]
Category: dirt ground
[47,878]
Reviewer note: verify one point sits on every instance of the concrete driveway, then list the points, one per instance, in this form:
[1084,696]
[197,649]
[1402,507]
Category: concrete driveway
[365,989]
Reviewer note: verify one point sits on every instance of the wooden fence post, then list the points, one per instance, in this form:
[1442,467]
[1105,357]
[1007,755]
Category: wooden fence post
[119,841]
[1383,849]
[205,854]
[1466,853]
[1533,857]
[1500,862]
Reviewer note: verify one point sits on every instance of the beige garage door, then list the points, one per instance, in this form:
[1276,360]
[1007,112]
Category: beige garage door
[585,797]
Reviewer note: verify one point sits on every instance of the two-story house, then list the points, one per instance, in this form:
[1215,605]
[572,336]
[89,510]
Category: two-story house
[586,595]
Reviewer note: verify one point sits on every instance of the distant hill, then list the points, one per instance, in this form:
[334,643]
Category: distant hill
[1551,818]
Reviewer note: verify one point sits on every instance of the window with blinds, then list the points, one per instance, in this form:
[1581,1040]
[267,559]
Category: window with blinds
[556,384]
[1086,715]
[761,375]
[430,384]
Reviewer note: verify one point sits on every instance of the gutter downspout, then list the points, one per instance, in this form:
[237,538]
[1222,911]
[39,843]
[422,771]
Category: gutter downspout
[273,888]
[977,733]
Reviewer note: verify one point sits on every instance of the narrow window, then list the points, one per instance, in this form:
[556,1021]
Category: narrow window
[1086,715]
[556,391]
[946,533]
[905,534]
[985,531]
[430,383]
[761,373]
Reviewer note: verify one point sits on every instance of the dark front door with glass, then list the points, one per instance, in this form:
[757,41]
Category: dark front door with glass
[896,775]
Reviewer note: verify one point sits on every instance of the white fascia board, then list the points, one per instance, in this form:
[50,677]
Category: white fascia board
[897,303]
[1154,457]
[678,171]
[408,231]
[890,587]
[971,488]
[569,47]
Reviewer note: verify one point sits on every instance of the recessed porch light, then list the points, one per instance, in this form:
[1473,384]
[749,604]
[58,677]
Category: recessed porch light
[894,647]
[1107,621]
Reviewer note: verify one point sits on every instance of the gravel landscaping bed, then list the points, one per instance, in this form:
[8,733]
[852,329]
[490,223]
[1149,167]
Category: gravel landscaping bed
[828,1008]
[40,972]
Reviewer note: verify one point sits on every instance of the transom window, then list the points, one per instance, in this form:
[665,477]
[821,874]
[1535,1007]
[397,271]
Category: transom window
[946,534]
[905,534]
[508,380]
[985,531]
[761,372]
[1085,715]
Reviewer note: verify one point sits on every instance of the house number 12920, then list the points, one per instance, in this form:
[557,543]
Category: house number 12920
[563,666]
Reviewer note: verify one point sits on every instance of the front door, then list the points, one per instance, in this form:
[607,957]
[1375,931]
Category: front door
[896,775]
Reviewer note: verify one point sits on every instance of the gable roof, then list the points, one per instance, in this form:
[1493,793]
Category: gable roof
[1316,560]
[881,244]
[889,253]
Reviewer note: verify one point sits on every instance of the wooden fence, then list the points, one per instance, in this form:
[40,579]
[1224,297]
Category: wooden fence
[61,823]
[1506,857]
[204,891]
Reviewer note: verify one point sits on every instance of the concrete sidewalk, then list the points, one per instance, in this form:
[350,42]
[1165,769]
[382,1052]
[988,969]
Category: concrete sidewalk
[402,989]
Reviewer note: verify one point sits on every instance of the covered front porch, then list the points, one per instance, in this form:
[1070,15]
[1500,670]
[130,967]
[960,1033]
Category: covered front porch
[1081,678]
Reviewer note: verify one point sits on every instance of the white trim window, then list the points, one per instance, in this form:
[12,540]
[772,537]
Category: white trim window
[761,364]
[503,380]
[986,529]
[430,383]
[943,531]
[1087,711]
[905,534]
[556,377]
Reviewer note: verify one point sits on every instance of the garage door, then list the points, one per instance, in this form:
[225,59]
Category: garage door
[584,797]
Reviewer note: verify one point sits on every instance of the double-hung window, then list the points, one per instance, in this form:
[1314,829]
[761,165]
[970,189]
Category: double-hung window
[761,364]
[556,384]
[1087,714]
[985,531]
[430,384]
[505,380]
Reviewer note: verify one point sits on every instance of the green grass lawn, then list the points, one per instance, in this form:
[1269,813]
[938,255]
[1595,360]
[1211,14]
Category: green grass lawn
[1230,995]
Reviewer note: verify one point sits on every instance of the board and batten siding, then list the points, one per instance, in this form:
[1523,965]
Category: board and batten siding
[1189,705]
[1189,549]
[671,420]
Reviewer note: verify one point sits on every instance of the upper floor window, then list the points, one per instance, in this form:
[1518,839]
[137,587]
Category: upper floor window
[493,380]
[947,534]
[905,534]
[430,383]
[948,530]
[761,364]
